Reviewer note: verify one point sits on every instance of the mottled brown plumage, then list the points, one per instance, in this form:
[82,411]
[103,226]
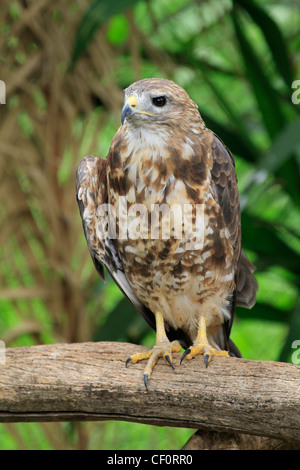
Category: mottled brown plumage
[164,154]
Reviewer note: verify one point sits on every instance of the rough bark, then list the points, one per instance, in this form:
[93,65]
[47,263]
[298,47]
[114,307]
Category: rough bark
[214,440]
[89,381]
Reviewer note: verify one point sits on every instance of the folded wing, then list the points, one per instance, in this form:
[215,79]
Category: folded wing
[91,191]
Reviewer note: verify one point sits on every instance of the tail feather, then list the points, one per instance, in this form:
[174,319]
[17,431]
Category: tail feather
[246,283]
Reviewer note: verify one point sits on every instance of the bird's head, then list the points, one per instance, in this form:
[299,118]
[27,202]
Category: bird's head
[155,101]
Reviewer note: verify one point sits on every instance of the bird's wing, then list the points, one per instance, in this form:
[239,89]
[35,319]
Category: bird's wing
[225,180]
[91,191]
[226,189]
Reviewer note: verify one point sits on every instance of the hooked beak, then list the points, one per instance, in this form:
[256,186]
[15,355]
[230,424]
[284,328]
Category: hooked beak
[130,108]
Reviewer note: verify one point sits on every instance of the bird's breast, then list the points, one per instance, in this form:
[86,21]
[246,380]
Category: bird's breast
[175,243]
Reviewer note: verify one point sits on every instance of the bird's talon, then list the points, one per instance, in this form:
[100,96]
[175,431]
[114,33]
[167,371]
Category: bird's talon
[146,381]
[127,361]
[206,359]
[186,352]
[168,359]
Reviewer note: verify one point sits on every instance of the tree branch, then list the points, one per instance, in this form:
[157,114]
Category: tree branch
[89,381]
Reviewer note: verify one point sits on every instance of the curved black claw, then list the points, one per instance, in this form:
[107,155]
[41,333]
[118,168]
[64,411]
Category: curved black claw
[206,359]
[168,359]
[186,352]
[127,361]
[146,381]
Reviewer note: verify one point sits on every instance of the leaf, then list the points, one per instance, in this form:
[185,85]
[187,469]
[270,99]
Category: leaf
[234,119]
[273,37]
[237,143]
[118,325]
[97,14]
[262,311]
[264,239]
[266,95]
[31,327]
[283,147]
[279,161]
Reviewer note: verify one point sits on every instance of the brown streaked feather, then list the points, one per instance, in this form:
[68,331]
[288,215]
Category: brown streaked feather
[91,191]
[247,285]
[225,180]
[171,158]
[226,188]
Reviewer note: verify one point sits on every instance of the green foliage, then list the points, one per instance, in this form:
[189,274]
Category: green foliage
[273,37]
[237,60]
[264,130]
[96,15]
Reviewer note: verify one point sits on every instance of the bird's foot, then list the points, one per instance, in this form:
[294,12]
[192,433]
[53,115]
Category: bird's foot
[161,349]
[203,348]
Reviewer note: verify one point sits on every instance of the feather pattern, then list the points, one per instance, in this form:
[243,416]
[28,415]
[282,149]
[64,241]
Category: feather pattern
[167,156]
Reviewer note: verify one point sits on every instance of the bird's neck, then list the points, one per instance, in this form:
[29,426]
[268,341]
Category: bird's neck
[147,141]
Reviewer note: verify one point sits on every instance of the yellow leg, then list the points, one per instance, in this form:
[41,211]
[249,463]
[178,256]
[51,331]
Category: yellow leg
[162,348]
[202,346]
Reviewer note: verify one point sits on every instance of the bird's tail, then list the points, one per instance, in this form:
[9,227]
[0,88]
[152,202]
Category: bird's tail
[247,286]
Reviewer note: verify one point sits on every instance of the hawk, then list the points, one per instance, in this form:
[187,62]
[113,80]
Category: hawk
[163,156]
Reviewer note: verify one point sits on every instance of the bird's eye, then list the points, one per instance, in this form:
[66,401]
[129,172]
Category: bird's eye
[159,101]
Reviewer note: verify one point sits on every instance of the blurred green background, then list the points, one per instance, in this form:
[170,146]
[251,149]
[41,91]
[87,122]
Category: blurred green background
[65,64]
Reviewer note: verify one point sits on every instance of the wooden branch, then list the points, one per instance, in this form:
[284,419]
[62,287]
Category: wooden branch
[214,440]
[89,381]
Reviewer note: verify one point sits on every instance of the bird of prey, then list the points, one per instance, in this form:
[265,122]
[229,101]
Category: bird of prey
[163,156]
